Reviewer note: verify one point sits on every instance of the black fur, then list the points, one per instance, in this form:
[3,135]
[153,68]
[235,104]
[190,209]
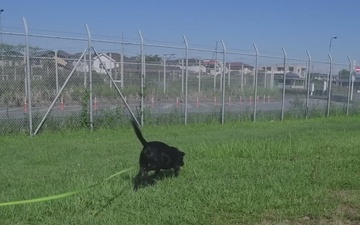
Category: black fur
[157,155]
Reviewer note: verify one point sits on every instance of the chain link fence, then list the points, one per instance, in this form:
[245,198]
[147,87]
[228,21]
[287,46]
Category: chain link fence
[91,82]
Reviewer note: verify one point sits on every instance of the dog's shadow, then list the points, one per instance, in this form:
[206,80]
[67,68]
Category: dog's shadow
[151,179]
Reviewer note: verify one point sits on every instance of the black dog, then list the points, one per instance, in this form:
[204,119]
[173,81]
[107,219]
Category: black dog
[157,155]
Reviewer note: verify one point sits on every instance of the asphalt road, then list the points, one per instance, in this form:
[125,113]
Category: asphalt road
[160,108]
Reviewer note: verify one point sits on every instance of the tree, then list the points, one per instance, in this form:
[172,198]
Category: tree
[152,58]
[17,48]
[344,74]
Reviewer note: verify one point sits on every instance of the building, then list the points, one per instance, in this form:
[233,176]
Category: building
[103,63]
[240,67]
[295,75]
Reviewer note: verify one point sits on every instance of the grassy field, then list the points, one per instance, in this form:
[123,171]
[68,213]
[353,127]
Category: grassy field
[293,172]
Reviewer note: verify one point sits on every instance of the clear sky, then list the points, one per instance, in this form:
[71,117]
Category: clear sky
[295,25]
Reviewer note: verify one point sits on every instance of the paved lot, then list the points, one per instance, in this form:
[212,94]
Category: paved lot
[159,108]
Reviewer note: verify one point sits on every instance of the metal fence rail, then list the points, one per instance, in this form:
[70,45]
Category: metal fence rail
[139,78]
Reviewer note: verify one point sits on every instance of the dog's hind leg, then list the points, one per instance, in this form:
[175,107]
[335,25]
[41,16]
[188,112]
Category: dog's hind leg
[141,178]
[143,172]
[138,179]
[176,171]
[157,172]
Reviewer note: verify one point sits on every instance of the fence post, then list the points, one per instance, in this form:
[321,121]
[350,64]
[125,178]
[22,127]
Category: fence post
[215,77]
[85,72]
[349,84]
[60,91]
[199,80]
[56,71]
[110,71]
[265,80]
[182,75]
[25,74]
[186,78]
[164,82]
[122,62]
[308,85]
[142,79]
[284,86]
[242,78]
[28,75]
[329,87]
[223,83]
[90,77]
[229,74]
[255,81]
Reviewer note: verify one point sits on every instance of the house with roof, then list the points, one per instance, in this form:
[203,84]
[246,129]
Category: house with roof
[295,75]
[344,82]
[240,67]
[103,62]
[279,69]
[40,58]
[195,65]
[12,58]
[115,56]
[100,63]
[213,67]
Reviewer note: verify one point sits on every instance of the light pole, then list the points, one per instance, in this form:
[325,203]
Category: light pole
[1,10]
[330,54]
[1,46]
[329,79]
[330,43]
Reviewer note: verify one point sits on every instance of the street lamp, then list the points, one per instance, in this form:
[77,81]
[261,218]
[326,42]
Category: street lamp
[329,79]
[330,42]
[1,10]
[1,46]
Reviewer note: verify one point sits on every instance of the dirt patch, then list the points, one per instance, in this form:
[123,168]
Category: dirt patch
[347,195]
[347,212]
[308,221]
[350,204]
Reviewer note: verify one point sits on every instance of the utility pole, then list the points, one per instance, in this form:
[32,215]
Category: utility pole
[2,47]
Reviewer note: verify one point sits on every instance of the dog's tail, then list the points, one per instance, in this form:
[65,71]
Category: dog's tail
[138,132]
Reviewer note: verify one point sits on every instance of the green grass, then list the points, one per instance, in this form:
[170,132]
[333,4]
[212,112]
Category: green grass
[304,172]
